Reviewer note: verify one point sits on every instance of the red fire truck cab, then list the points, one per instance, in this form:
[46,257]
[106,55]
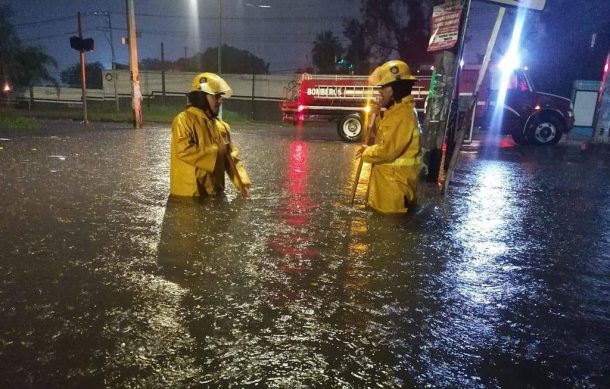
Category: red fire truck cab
[341,98]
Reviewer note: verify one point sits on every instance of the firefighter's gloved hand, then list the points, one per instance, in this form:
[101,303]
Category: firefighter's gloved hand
[360,151]
[375,108]
[247,189]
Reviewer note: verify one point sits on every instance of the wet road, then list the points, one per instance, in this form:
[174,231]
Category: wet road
[505,283]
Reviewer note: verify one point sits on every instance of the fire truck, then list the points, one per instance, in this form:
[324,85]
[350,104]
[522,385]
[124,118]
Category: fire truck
[341,98]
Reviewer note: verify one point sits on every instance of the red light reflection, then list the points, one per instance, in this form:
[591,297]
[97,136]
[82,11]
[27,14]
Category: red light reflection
[295,212]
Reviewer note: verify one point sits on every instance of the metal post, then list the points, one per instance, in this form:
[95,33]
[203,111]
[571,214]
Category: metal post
[82,71]
[162,74]
[114,80]
[111,42]
[483,70]
[253,90]
[133,64]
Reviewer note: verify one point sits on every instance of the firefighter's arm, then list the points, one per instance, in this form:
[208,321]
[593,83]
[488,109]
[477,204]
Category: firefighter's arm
[236,166]
[393,142]
[239,166]
[200,156]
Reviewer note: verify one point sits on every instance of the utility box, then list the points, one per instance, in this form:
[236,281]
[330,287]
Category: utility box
[584,98]
[602,112]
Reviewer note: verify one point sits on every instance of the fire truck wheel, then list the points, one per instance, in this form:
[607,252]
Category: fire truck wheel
[544,130]
[350,128]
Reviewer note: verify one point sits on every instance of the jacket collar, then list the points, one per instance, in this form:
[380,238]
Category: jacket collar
[198,112]
[403,102]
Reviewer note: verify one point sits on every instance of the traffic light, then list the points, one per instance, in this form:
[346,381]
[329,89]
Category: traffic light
[79,44]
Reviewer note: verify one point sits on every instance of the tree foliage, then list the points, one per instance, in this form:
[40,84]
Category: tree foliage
[93,74]
[22,65]
[325,52]
[567,41]
[389,29]
[234,61]
[9,45]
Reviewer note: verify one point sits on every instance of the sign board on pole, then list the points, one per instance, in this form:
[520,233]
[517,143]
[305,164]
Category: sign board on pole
[445,26]
[532,4]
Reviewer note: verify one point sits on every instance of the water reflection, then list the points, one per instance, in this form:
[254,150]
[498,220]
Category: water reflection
[296,242]
[503,284]
[486,282]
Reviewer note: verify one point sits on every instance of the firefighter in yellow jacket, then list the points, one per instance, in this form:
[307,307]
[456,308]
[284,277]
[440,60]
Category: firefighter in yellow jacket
[201,147]
[396,155]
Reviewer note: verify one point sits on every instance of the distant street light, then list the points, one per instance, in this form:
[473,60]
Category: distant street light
[116,94]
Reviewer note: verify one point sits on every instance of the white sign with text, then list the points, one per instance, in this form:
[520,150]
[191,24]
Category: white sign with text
[532,4]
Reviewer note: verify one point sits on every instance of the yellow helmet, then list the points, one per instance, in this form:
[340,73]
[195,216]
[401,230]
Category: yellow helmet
[212,84]
[391,71]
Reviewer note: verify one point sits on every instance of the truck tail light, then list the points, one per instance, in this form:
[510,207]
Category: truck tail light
[300,108]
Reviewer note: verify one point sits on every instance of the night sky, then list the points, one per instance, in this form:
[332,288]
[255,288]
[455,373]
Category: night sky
[281,32]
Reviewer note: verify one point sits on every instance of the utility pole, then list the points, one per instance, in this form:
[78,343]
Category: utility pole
[114,80]
[133,65]
[219,36]
[441,113]
[82,70]
[111,41]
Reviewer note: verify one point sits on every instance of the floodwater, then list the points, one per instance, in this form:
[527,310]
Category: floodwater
[106,283]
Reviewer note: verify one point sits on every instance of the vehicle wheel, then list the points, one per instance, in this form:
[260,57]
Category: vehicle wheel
[544,130]
[350,128]
[519,138]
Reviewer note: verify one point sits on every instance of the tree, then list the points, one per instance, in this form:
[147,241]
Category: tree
[326,51]
[391,29]
[580,52]
[9,45]
[33,69]
[23,65]
[234,61]
[359,51]
[93,73]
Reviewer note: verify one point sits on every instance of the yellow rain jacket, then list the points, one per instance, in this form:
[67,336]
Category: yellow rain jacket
[396,158]
[198,159]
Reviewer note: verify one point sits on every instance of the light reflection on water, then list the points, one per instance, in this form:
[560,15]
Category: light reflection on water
[293,287]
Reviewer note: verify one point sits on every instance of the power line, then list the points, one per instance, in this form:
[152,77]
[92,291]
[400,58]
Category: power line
[59,19]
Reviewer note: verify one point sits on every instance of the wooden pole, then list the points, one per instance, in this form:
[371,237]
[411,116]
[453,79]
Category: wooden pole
[133,65]
[369,137]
